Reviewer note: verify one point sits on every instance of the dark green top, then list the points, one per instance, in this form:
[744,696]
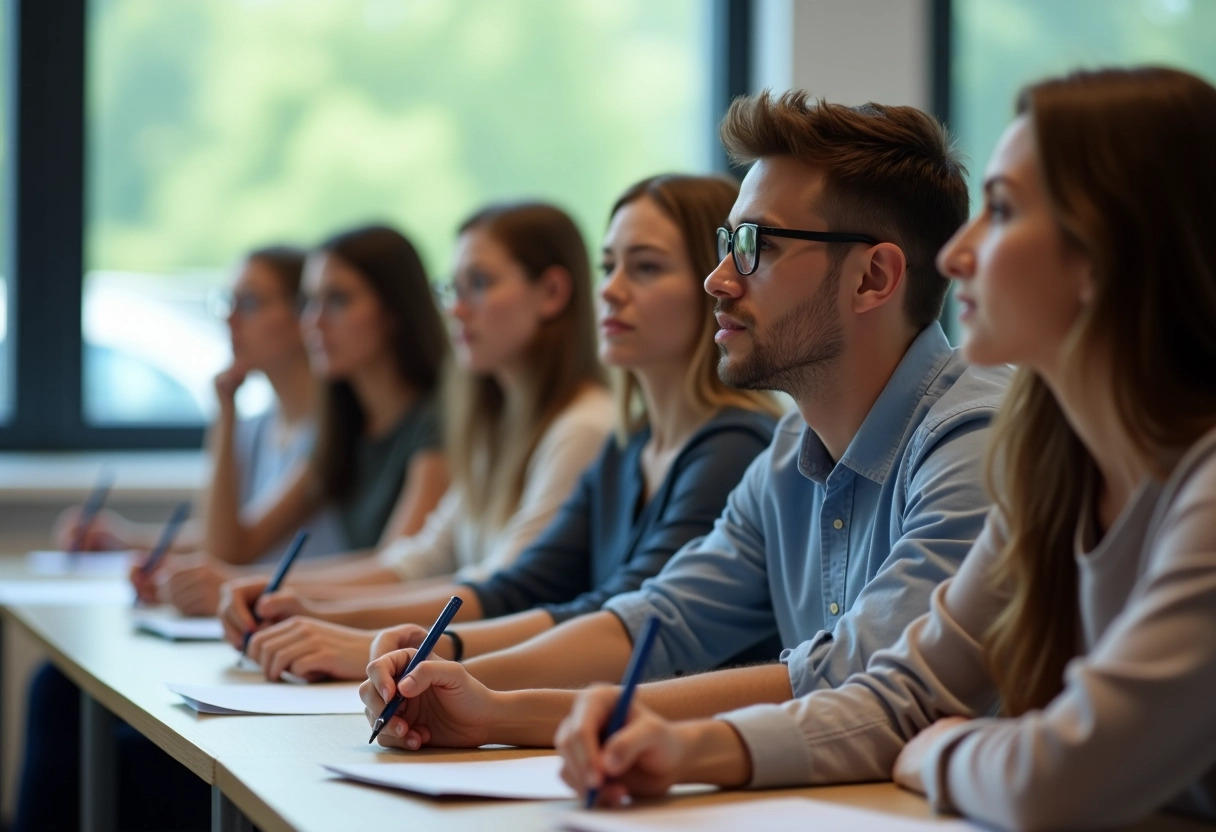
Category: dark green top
[380,467]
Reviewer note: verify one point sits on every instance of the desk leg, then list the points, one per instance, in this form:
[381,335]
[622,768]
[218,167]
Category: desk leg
[225,816]
[98,767]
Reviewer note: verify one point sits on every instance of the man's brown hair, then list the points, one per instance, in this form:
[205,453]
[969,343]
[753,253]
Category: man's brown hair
[890,172]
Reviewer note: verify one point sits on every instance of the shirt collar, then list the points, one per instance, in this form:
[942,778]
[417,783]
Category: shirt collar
[876,444]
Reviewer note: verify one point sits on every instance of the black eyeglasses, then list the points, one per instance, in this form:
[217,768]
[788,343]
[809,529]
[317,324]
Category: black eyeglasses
[744,242]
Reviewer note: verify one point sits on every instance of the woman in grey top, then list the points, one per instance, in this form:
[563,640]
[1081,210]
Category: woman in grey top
[1085,611]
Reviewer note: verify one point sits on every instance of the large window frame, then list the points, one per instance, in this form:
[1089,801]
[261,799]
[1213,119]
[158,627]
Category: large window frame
[46,199]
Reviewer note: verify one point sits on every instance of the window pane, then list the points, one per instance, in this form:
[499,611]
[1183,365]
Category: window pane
[6,358]
[220,125]
[1003,44]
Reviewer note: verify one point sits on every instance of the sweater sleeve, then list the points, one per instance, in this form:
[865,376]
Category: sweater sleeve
[1130,730]
[432,550]
[693,495]
[570,445]
[1133,727]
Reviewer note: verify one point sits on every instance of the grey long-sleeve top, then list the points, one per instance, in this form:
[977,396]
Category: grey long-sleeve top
[607,538]
[1133,730]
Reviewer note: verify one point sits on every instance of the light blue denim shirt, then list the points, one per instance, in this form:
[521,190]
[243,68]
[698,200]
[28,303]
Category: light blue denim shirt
[835,557]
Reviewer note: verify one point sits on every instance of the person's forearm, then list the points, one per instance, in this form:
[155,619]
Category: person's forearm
[705,694]
[481,637]
[223,533]
[415,607]
[716,754]
[592,648]
[358,569]
[530,717]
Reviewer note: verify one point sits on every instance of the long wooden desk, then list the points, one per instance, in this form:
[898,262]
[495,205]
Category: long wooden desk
[266,771]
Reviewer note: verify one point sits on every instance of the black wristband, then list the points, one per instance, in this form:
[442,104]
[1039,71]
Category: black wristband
[457,645]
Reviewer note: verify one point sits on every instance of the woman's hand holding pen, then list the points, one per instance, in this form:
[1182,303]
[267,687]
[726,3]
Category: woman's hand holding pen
[641,759]
[236,608]
[648,755]
[105,532]
[407,635]
[444,706]
[314,650]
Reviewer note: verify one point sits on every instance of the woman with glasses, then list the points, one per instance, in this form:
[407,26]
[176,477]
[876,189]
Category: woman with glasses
[1083,616]
[683,440]
[526,412]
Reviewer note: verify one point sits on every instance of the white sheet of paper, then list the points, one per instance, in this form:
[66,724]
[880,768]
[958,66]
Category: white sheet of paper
[65,592]
[529,778]
[180,629]
[782,814]
[90,564]
[271,698]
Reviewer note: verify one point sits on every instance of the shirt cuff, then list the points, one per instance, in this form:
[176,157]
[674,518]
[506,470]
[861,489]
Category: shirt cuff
[935,769]
[803,678]
[780,756]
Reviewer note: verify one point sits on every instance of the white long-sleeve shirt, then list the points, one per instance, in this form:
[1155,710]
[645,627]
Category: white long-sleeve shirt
[1134,729]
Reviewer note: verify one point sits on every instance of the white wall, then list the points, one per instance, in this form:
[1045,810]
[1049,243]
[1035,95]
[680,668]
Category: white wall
[847,51]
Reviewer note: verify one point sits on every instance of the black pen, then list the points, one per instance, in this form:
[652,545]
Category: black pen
[92,505]
[424,650]
[172,527]
[629,683]
[279,574]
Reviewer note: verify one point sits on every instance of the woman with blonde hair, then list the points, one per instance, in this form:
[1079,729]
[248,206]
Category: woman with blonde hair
[1085,610]
[682,443]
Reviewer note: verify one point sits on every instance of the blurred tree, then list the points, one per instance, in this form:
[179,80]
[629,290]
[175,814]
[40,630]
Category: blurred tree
[216,125]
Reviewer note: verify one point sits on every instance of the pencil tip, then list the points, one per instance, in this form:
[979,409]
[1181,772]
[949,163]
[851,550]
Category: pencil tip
[376,730]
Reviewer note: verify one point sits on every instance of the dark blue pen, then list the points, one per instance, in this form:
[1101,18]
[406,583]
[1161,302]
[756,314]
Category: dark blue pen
[424,650]
[92,505]
[277,578]
[633,675]
[172,527]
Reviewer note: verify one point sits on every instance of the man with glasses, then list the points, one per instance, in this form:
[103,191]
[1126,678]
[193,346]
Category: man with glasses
[868,497]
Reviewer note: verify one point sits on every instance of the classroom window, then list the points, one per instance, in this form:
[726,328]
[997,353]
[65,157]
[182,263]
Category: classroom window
[220,125]
[1000,45]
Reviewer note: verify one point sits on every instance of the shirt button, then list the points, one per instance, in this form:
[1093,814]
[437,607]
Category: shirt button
[837,524]
[835,608]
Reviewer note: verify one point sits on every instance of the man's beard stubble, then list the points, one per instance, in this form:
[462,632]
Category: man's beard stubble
[798,348]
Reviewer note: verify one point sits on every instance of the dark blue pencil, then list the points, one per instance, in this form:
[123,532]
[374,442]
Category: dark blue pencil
[629,683]
[275,580]
[92,505]
[424,650]
[172,527]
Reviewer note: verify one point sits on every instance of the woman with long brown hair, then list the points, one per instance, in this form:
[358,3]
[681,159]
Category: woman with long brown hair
[1085,611]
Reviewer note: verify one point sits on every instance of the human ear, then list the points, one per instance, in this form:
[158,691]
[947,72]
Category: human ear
[556,286]
[883,273]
